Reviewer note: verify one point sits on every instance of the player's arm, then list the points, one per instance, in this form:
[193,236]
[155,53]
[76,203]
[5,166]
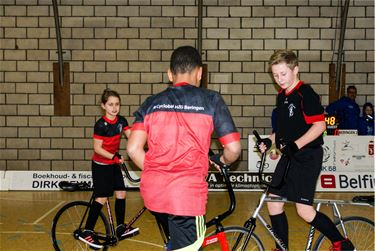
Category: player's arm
[135,147]
[314,132]
[127,132]
[314,115]
[98,148]
[231,152]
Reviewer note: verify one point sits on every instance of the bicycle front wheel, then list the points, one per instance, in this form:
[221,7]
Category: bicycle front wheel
[232,234]
[68,220]
[360,232]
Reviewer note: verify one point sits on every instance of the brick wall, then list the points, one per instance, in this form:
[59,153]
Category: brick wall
[126,45]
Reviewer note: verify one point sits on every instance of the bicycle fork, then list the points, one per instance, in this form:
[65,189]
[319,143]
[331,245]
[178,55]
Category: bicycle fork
[336,215]
[250,224]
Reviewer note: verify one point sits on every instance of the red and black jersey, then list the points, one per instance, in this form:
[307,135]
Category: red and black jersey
[296,111]
[179,122]
[110,132]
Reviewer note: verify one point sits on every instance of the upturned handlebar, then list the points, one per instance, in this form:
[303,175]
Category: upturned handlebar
[127,174]
[261,166]
[224,171]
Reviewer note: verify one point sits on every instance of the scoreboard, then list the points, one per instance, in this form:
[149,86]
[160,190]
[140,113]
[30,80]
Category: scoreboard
[332,125]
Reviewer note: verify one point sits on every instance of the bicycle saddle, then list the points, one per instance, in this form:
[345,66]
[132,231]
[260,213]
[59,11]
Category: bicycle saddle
[366,199]
[72,186]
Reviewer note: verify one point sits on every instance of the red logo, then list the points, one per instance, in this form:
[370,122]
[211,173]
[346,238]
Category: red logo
[371,147]
[328,181]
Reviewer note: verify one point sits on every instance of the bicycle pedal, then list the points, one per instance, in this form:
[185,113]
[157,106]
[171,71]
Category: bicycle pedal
[129,236]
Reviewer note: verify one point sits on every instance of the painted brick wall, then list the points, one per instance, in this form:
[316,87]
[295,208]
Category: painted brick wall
[126,45]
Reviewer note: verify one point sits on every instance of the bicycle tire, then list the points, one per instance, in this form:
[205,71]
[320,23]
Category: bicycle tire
[232,232]
[67,220]
[360,232]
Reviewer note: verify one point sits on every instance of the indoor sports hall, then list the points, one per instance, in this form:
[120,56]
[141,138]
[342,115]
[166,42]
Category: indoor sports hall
[57,58]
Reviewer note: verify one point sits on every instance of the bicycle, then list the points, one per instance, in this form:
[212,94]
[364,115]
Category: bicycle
[358,229]
[70,219]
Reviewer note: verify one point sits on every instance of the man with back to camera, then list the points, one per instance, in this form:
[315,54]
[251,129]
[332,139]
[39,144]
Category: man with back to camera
[346,109]
[177,125]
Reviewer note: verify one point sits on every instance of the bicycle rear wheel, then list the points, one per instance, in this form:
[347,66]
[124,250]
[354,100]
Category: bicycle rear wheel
[68,220]
[360,232]
[232,233]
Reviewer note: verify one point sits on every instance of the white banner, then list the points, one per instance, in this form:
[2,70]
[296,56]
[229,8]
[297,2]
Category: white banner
[48,180]
[348,163]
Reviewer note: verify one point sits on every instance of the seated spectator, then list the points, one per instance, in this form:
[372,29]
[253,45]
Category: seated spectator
[346,109]
[366,122]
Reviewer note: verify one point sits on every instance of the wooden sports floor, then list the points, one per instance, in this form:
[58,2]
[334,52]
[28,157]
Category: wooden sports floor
[25,218]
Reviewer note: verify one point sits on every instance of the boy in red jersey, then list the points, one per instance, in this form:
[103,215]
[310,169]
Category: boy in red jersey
[299,135]
[177,125]
[106,173]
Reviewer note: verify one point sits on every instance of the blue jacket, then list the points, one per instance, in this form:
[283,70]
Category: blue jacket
[347,111]
[366,125]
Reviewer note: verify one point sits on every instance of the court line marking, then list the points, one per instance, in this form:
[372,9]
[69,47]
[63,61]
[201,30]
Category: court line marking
[47,213]
[34,232]
[21,232]
[147,243]
[44,200]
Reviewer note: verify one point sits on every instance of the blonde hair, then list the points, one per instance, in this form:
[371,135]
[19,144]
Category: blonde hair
[283,56]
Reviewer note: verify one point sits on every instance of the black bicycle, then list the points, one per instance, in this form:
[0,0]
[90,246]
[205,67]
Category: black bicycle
[70,220]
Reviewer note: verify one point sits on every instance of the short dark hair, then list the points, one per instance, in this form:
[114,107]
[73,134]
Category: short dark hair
[185,59]
[351,87]
[368,104]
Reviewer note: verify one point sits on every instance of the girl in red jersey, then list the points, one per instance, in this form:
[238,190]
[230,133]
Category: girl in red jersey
[106,173]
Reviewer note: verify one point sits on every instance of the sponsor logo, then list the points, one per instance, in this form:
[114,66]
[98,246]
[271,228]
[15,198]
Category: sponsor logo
[45,184]
[359,157]
[348,132]
[291,109]
[345,162]
[119,127]
[371,148]
[265,165]
[328,169]
[328,181]
[326,154]
[364,181]
[346,146]
[359,181]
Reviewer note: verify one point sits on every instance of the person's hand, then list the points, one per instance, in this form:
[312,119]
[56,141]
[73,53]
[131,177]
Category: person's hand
[216,161]
[117,158]
[290,149]
[264,144]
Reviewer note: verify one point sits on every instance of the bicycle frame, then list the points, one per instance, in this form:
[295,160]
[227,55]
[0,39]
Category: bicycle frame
[220,235]
[108,240]
[250,224]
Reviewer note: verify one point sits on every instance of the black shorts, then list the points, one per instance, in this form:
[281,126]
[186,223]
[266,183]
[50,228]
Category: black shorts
[184,232]
[106,179]
[299,184]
